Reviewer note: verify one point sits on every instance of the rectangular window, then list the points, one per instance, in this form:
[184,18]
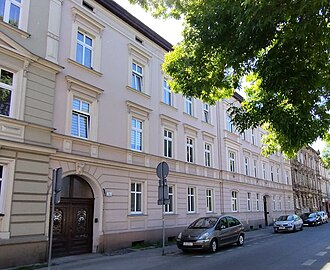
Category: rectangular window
[137,77]
[169,208]
[190,150]
[271,173]
[257,202]
[255,168]
[136,198]
[80,120]
[230,125]
[274,202]
[10,11]
[209,200]
[6,91]
[189,106]
[253,139]
[1,186]
[246,165]
[167,94]
[206,112]
[249,201]
[232,161]
[279,203]
[207,154]
[191,200]
[278,174]
[84,50]
[264,170]
[287,177]
[136,135]
[234,203]
[168,143]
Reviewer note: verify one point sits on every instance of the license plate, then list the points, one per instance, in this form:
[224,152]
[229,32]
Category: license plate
[188,244]
[282,228]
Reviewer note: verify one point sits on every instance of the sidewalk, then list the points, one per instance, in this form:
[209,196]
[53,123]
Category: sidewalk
[122,259]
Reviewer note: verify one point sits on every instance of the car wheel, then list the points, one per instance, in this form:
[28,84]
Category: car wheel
[213,246]
[240,240]
[294,229]
[302,227]
[275,231]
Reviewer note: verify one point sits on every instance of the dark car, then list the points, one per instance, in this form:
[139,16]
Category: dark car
[311,219]
[208,233]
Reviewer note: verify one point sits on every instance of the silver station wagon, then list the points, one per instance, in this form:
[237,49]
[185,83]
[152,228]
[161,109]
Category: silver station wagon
[208,233]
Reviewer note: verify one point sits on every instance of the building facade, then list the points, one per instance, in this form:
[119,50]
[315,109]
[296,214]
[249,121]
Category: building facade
[89,96]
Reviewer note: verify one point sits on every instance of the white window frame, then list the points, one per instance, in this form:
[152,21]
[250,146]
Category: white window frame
[93,28]
[234,201]
[274,202]
[135,195]
[190,148]
[207,154]
[137,130]
[255,168]
[206,113]
[191,200]
[170,208]
[257,202]
[88,93]
[137,77]
[272,173]
[85,47]
[81,114]
[230,126]
[23,16]
[189,106]
[248,202]
[253,138]
[232,161]
[278,174]
[264,170]
[168,143]
[167,94]
[209,200]
[11,89]
[246,166]
[6,195]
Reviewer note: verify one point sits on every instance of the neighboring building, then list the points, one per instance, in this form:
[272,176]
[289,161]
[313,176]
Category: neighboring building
[27,85]
[308,174]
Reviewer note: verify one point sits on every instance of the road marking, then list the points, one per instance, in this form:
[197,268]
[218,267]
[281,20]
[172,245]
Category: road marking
[328,247]
[321,253]
[309,262]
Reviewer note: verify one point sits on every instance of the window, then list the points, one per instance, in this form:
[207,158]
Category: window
[136,198]
[189,106]
[191,200]
[232,161]
[6,91]
[279,203]
[287,177]
[209,200]
[264,170]
[248,201]
[136,135]
[230,125]
[255,168]
[207,154]
[168,99]
[190,150]
[274,202]
[206,113]
[246,165]
[169,208]
[1,186]
[234,203]
[84,50]
[271,173]
[10,11]
[278,174]
[258,202]
[80,119]
[168,143]
[137,77]
[253,139]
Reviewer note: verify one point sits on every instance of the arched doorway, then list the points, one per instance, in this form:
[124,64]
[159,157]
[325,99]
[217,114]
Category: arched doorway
[73,218]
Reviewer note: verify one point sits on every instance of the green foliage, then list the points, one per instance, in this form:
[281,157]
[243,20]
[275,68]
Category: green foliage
[326,155]
[282,47]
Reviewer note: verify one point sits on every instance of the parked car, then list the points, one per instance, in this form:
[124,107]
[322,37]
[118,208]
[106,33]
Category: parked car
[324,216]
[311,219]
[287,223]
[208,233]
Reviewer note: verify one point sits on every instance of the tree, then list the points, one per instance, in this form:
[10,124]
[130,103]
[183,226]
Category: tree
[326,156]
[280,47]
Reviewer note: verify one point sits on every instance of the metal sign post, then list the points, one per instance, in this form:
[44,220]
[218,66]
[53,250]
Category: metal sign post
[163,198]
[56,196]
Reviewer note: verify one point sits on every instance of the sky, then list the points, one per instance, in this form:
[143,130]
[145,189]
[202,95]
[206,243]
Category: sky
[171,30]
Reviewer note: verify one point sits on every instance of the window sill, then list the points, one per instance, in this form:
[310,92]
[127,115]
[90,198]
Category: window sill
[136,215]
[14,29]
[138,92]
[94,72]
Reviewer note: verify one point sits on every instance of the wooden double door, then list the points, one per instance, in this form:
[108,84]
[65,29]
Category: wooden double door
[73,224]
